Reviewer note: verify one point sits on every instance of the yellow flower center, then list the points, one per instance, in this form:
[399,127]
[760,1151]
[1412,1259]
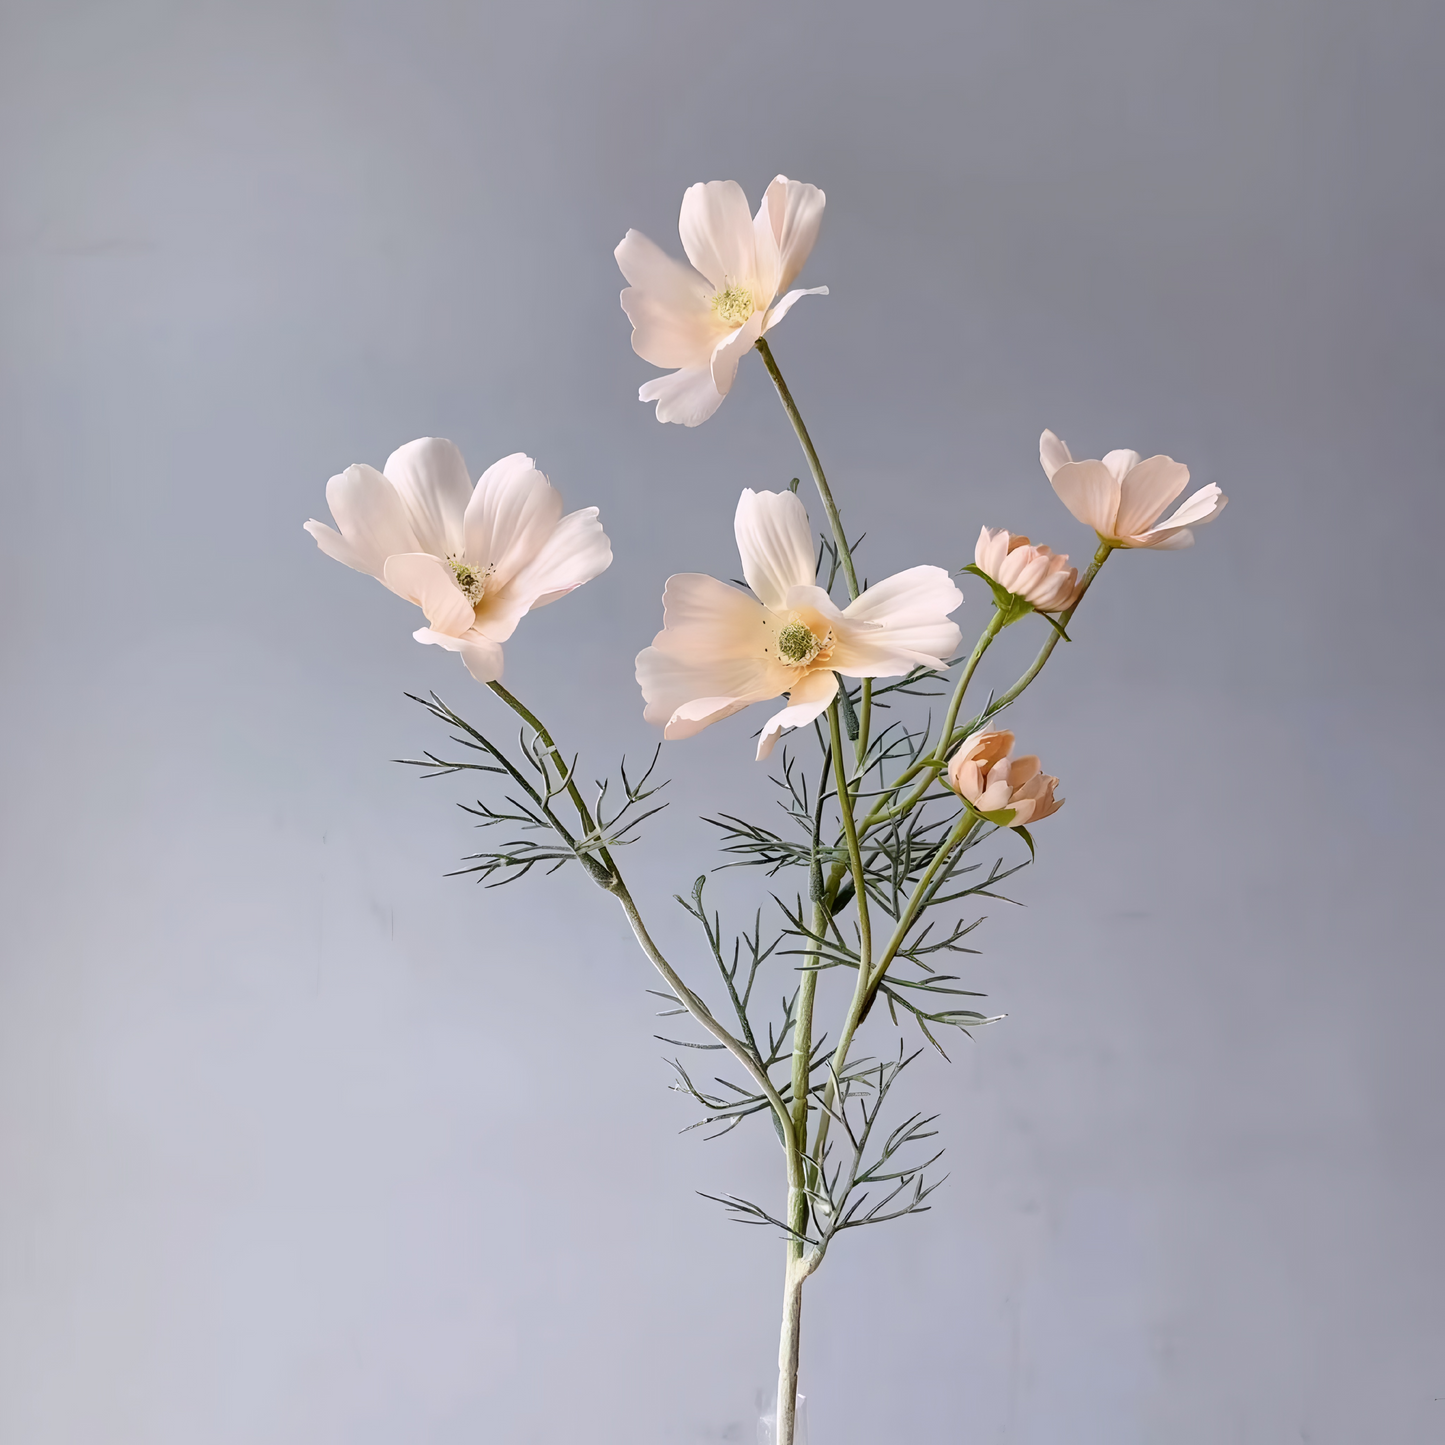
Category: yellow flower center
[734,304]
[473,584]
[798,644]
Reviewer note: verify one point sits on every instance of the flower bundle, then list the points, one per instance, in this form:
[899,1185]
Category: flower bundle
[885,819]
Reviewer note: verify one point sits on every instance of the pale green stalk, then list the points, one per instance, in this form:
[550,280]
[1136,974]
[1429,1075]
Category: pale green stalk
[814,466]
[1002,701]
[615,885]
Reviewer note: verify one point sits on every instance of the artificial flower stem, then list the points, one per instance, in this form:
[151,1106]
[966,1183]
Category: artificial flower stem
[865,940]
[535,723]
[880,812]
[986,637]
[868,981]
[961,830]
[1002,701]
[865,717]
[700,1011]
[814,465]
[939,755]
[685,996]
[855,856]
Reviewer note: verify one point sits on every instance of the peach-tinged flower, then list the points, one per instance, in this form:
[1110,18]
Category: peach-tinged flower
[702,318]
[721,649]
[474,559]
[1002,788]
[1122,498]
[1043,579]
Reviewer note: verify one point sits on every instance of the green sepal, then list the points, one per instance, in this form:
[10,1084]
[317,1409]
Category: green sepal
[1003,817]
[1027,837]
[793,485]
[1012,607]
[1056,625]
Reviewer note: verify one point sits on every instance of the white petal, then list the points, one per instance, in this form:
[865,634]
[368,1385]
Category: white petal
[431,479]
[708,660]
[807,699]
[767,263]
[335,545]
[1090,492]
[990,550]
[795,212]
[688,396]
[786,305]
[685,695]
[1204,506]
[1053,453]
[428,581]
[512,513]
[482,656]
[904,624]
[576,552]
[1166,539]
[717,232]
[731,349]
[706,619]
[775,541]
[1120,464]
[372,519]
[1146,490]
[669,305]
[692,717]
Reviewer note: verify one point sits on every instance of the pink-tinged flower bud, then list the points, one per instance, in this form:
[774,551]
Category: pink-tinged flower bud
[1004,789]
[1043,579]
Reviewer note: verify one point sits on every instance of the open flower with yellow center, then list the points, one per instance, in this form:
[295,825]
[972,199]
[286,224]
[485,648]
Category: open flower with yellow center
[1122,497]
[1035,574]
[474,559]
[721,649]
[702,318]
[1004,789]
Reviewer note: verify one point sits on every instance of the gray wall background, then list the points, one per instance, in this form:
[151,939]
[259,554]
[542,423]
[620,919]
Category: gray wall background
[303,1143]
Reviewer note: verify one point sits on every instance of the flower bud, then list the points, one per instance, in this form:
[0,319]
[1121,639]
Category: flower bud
[1044,580]
[1004,789]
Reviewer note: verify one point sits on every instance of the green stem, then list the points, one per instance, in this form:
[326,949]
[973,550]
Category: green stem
[855,856]
[703,1015]
[869,979]
[1001,702]
[865,719]
[881,812]
[814,465]
[535,723]
[995,626]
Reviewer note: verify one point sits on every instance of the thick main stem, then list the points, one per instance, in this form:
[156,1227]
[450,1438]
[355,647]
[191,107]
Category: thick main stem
[788,1347]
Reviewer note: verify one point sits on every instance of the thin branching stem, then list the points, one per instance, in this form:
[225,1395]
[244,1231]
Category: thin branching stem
[533,722]
[1004,699]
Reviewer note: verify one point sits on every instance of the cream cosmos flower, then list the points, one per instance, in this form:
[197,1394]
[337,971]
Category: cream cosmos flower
[1004,789]
[721,649]
[475,560]
[1122,498]
[702,320]
[1045,581]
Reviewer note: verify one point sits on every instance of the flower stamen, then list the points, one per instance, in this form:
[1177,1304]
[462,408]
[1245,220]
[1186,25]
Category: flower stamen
[473,584]
[734,304]
[798,644]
